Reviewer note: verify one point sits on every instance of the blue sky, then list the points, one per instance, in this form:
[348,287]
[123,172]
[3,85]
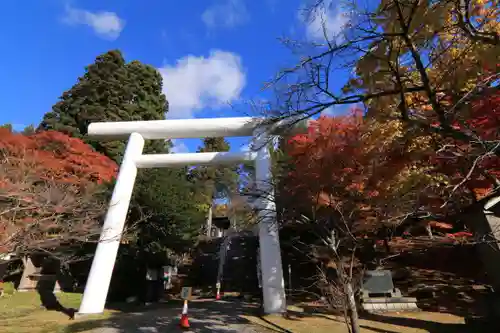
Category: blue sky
[211,53]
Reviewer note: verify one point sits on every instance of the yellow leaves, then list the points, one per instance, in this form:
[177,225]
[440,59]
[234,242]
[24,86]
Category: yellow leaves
[412,181]
[485,12]
[454,52]
[458,60]
[385,129]
[420,143]
[470,84]
[398,154]
[409,99]
[379,135]
[203,207]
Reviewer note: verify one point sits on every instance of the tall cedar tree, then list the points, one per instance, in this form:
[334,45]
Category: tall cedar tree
[113,90]
[110,90]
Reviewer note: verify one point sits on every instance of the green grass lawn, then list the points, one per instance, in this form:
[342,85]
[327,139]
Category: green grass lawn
[22,312]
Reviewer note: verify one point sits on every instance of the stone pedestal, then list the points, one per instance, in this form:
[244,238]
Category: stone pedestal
[32,276]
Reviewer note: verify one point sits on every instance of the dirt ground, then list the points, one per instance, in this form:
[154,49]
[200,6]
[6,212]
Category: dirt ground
[398,322]
[232,316]
[22,313]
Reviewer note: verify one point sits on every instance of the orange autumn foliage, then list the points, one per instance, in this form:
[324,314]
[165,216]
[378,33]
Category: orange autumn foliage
[350,163]
[50,192]
[475,162]
[58,156]
[330,166]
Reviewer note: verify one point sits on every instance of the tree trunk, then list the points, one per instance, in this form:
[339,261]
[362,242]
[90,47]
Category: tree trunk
[429,231]
[347,281]
[209,222]
[387,246]
[353,310]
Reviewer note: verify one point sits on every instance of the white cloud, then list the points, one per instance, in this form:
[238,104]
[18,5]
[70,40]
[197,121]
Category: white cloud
[226,14]
[105,24]
[178,147]
[194,83]
[330,111]
[325,19]
[244,148]
[340,110]
[335,110]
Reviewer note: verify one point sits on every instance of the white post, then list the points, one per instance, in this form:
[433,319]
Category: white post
[209,220]
[273,286]
[222,259]
[96,288]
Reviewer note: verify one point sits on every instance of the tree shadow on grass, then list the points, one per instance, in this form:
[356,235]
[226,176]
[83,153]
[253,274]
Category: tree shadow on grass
[428,325]
[49,300]
[308,313]
[378,330]
[204,316]
[396,320]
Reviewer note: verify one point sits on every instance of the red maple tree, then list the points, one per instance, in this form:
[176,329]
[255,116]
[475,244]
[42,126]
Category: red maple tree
[59,156]
[51,190]
[330,166]
[474,165]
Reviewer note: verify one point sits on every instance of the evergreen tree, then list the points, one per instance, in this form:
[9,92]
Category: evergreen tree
[110,90]
[174,217]
[217,181]
[113,90]
[29,130]
[7,126]
[213,182]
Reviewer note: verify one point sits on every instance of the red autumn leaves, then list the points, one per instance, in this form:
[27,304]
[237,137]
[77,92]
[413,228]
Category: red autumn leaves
[49,190]
[334,164]
[56,156]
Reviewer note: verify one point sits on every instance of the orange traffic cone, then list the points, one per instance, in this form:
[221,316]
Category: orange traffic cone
[184,323]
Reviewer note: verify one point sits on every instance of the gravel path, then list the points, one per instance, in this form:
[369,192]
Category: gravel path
[204,316]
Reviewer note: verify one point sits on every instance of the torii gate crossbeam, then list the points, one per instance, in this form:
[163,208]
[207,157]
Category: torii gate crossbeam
[97,286]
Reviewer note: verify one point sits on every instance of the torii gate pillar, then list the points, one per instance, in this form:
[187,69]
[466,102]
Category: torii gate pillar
[97,286]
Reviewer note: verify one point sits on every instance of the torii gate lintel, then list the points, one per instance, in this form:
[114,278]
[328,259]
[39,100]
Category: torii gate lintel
[97,286]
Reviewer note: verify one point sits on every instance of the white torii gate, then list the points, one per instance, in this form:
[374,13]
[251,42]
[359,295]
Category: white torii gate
[97,286]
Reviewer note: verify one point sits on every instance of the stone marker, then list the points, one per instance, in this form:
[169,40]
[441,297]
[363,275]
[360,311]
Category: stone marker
[378,282]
